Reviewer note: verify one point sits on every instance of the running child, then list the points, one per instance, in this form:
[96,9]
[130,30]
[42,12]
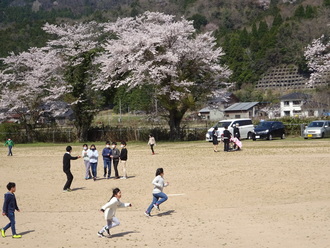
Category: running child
[109,210]
[158,196]
[9,207]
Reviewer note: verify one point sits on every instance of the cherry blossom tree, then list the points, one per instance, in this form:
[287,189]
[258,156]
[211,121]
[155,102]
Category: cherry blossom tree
[155,49]
[29,80]
[77,44]
[59,70]
[317,55]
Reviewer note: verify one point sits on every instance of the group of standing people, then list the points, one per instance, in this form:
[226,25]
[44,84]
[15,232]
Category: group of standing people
[110,154]
[226,137]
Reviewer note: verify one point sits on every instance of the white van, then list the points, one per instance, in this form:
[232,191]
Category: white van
[245,128]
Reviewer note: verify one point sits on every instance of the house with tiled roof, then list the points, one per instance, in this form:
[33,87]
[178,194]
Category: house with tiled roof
[214,110]
[242,110]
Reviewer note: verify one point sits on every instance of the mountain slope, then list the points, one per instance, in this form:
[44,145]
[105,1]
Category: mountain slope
[255,34]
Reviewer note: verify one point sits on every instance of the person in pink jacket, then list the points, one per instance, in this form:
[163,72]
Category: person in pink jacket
[109,210]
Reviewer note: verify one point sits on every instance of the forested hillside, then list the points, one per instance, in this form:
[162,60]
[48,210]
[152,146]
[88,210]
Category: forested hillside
[256,35]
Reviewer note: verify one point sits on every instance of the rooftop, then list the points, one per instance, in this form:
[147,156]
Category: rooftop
[241,106]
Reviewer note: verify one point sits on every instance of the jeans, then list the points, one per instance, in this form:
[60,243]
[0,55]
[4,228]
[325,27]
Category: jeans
[10,151]
[107,165]
[94,168]
[11,217]
[157,199]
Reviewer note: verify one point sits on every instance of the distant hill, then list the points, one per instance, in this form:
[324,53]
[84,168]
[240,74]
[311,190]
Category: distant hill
[255,34]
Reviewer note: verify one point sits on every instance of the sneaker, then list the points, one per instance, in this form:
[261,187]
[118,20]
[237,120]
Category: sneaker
[146,214]
[16,236]
[108,232]
[123,178]
[157,207]
[3,233]
[100,234]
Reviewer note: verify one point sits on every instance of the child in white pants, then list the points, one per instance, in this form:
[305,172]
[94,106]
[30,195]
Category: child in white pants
[109,210]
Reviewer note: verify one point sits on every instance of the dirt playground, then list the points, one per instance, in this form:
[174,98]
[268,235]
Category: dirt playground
[273,194]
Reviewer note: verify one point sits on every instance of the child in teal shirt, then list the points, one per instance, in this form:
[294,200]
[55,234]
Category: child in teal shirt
[10,145]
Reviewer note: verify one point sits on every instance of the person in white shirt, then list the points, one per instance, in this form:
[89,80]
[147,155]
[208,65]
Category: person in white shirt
[109,210]
[152,143]
[158,196]
[84,155]
[93,158]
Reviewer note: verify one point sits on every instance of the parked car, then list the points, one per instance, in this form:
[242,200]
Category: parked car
[317,129]
[269,130]
[245,128]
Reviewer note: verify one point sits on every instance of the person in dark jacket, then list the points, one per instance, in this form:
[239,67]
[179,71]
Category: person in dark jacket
[9,207]
[123,158]
[106,153]
[215,139]
[226,138]
[115,158]
[66,168]
[237,135]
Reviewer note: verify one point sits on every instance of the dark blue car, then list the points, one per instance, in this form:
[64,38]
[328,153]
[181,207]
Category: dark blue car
[269,130]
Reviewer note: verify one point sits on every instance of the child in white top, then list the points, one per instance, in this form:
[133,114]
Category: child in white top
[84,155]
[109,210]
[152,143]
[158,196]
[93,158]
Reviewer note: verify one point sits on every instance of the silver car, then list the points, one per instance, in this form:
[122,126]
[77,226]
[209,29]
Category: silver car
[317,129]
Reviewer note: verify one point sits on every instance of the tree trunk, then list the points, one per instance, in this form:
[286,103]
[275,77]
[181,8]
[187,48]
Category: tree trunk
[174,122]
[83,123]
[82,133]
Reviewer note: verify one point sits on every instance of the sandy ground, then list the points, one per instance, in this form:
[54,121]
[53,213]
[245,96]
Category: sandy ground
[270,194]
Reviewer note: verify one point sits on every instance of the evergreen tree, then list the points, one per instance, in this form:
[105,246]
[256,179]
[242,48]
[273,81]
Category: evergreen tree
[199,21]
[87,101]
[277,20]
[254,32]
[262,30]
[326,3]
[244,38]
[310,12]
[299,12]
